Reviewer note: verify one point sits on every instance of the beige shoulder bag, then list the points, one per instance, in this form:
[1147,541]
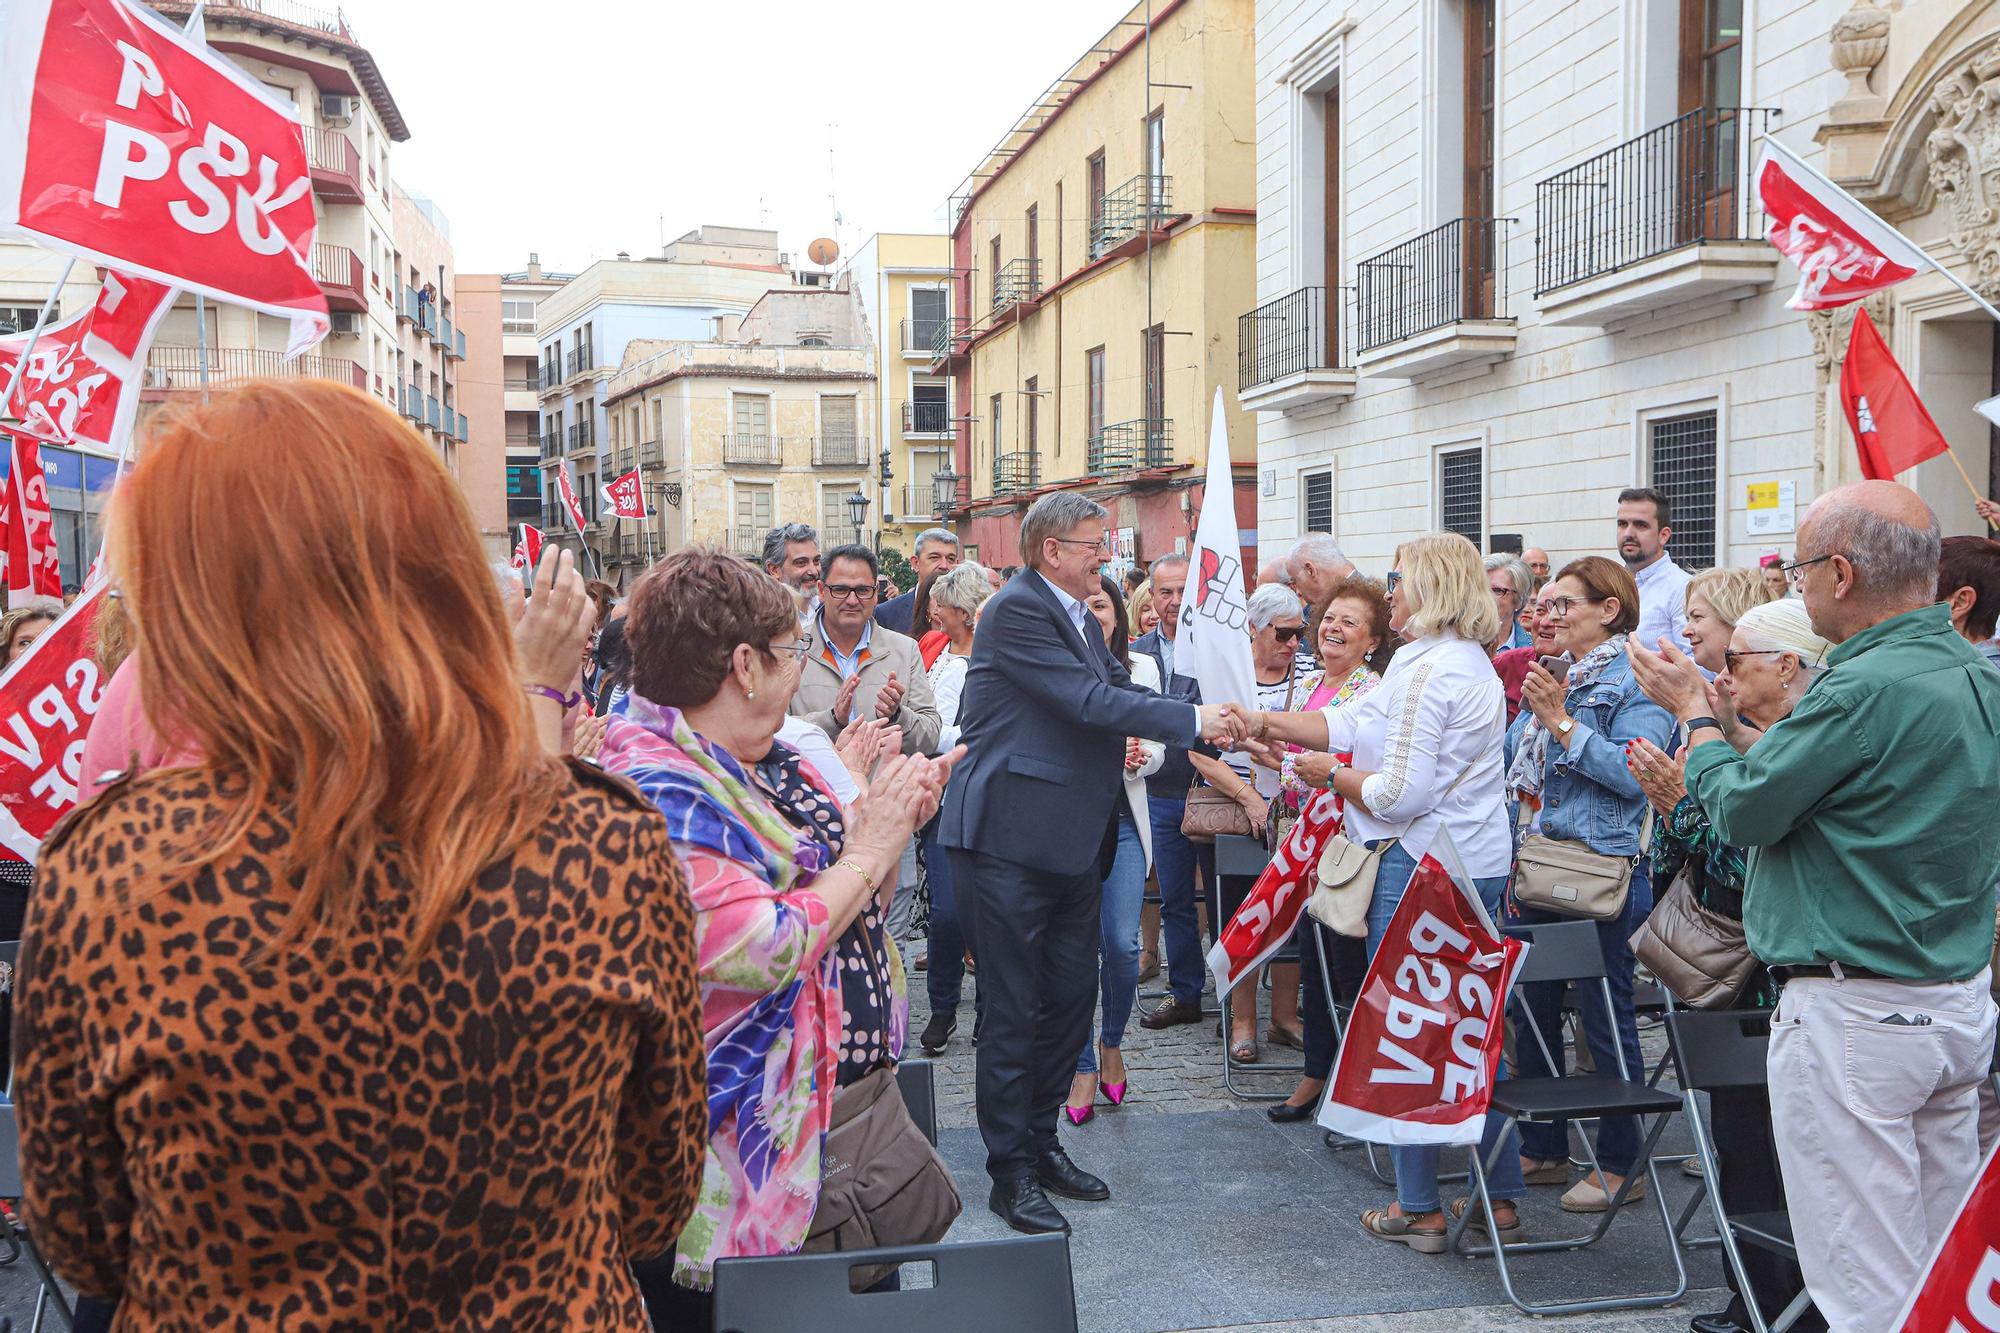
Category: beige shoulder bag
[1567,878]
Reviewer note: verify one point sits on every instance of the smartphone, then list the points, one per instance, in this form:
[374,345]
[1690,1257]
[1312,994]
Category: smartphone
[1557,666]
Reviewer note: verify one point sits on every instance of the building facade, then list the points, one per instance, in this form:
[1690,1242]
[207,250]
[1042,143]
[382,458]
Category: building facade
[1100,252]
[500,384]
[904,284]
[776,424]
[1510,261]
[431,347]
[697,289]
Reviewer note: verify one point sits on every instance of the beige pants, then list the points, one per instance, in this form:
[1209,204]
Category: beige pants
[1877,1131]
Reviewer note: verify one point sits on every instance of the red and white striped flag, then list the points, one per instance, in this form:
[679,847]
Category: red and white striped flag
[1843,251]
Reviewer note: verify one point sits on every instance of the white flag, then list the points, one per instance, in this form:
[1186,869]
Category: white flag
[1214,642]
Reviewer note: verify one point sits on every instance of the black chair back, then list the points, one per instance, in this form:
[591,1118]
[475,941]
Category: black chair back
[1721,1048]
[918,1084]
[1559,951]
[1243,858]
[987,1286]
[10,1153]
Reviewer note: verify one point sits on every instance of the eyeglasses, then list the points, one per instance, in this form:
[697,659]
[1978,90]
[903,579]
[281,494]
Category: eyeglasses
[1559,607]
[1100,546]
[1395,578]
[1731,657]
[1287,633]
[1795,573]
[1502,591]
[798,648]
[847,592]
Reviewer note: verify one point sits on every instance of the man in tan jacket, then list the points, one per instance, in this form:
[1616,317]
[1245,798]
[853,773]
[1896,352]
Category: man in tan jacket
[856,668]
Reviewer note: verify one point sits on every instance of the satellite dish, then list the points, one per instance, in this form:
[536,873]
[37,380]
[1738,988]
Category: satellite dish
[823,251]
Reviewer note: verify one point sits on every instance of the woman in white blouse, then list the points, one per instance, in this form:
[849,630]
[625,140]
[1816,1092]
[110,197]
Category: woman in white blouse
[956,597]
[1426,746]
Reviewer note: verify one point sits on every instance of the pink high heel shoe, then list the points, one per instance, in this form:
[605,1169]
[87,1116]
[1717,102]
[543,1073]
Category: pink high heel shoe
[1080,1115]
[1114,1092]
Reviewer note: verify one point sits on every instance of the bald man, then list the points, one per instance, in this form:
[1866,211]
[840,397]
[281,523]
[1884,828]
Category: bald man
[1537,561]
[1870,895]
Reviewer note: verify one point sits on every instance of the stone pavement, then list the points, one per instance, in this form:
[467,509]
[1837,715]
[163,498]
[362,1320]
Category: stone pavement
[1221,1220]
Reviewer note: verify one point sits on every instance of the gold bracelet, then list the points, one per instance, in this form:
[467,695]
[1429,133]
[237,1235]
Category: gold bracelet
[1263,725]
[874,885]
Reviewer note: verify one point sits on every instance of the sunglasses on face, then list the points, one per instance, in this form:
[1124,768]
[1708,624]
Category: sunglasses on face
[1287,633]
[1731,658]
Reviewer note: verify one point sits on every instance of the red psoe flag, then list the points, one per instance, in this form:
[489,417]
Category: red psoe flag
[1892,429]
[81,384]
[566,487]
[127,142]
[1960,1292]
[1843,251]
[625,497]
[528,550]
[1263,924]
[33,569]
[48,697]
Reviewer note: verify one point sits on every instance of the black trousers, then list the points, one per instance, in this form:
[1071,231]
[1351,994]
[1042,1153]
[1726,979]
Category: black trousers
[1037,936]
[1747,1159]
[1347,959]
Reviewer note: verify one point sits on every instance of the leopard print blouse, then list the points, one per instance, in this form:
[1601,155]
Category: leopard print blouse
[326,1141]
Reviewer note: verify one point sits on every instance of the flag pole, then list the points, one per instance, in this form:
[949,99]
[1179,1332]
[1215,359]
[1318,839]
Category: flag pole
[35,336]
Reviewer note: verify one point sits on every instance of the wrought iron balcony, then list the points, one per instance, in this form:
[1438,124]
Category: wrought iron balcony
[552,444]
[920,336]
[582,435]
[1436,302]
[752,449]
[1142,203]
[840,450]
[844,534]
[918,502]
[1016,473]
[650,453]
[949,339]
[1018,280]
[1289,352]
[1131,446]
[747,542]
[927,418]
[580,359]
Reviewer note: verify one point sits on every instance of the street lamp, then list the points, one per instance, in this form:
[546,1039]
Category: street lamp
[944,490]
[857,511]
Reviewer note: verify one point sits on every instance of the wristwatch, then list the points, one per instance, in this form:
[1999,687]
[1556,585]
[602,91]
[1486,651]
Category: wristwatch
[1695,724]
[1565,727]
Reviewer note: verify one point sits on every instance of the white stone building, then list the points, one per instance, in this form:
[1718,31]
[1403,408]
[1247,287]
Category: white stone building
[1536,221]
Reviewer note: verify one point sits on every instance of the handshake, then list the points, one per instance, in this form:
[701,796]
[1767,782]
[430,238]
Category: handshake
[1230,726]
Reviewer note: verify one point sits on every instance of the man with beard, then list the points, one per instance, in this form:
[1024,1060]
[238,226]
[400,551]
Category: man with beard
[1644,518]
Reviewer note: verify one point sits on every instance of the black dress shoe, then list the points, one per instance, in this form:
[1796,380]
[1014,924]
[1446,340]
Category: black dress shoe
[1061,1176]
[1722,1321]
[1169,1012]
[937,1033]
[1284,1113]
[1022,1205]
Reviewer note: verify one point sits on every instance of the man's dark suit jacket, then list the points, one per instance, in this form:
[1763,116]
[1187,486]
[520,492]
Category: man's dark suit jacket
[1171,780]
[897,612]
[1045,715]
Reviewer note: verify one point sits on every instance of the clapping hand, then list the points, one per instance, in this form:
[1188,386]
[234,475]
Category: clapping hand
[588,739]
[889,698]
[555,626]
[860,745]
[1669,678]
[1660,775]
[843,702]
[903,796]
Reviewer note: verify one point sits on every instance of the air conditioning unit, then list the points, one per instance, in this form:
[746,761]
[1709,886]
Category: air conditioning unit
[338,108]
[346,321]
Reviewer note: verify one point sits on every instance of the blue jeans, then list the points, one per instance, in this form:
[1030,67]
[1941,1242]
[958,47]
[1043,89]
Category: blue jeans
[1118,937]
[1174,862]
[951,934]
[1417,1165]
[1617,1136]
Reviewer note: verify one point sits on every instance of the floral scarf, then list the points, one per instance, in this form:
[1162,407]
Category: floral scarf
[1322,693]
[1532,758]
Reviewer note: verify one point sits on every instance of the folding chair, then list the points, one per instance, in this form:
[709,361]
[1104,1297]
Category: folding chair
[988,1286]
[917,1081]
[1245,858]
[1335,1140]
[1728,1049]
[1568,951]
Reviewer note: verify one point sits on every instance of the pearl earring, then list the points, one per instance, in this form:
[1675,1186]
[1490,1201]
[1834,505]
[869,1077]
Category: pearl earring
[749,694]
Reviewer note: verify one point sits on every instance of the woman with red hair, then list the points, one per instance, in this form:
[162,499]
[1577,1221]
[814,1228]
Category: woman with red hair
[364,1005]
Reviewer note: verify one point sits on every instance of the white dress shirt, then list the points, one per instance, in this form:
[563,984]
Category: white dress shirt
[947,676]
[816,748]
[1438,716]
[1079,616]
[1662,604]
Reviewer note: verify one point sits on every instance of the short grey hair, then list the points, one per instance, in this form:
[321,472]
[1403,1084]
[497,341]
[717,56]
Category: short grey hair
[964,587]
[1896,562]
[1171,560]
[786,534]
[1273,602]
[929,535]
[1318,547]
[1057,512]
[1518,573]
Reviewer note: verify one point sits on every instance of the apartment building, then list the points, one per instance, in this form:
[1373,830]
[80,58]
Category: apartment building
[430,345]
[500,386]
[904,284]
[696,289]
[776,423]
[1100,252]
[1509,261]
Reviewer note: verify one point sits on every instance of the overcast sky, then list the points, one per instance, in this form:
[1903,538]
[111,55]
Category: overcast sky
[579,128]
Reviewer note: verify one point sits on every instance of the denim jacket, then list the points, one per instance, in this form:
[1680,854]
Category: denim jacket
[1588,795]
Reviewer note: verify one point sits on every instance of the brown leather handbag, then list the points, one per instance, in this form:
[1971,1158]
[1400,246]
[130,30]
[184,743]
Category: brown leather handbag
[1209,813]
[1697,953]
[881,1182]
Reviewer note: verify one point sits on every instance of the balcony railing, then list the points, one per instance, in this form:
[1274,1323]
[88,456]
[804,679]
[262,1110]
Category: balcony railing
[921,335]
[335,166]
[1131,446]
[531,382]
[176,367]
[552,444]
[841,450]
[1453,274]
[582,435]
[427,318]
[339,273]
[410,402]
[1289,336]
[947,335]
[290,11]
[841,534]
[919,502]
[1140,203]
[579,360]
[433,413]
[1018,280]
[747,542]
[1684,183]
[752,448]
[457,348]
[441,332]
[927,418]
[1014,474]
[650,453]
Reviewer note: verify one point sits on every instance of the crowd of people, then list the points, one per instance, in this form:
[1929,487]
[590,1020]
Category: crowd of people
[516,962]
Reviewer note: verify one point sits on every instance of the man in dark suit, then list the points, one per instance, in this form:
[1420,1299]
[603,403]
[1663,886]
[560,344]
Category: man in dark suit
[1030,824]
[935,551]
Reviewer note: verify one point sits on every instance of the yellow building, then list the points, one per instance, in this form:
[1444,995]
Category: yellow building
[904,284]
[732,438]
[1102,253]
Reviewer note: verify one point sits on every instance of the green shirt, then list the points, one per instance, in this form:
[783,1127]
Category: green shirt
[1872,813]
